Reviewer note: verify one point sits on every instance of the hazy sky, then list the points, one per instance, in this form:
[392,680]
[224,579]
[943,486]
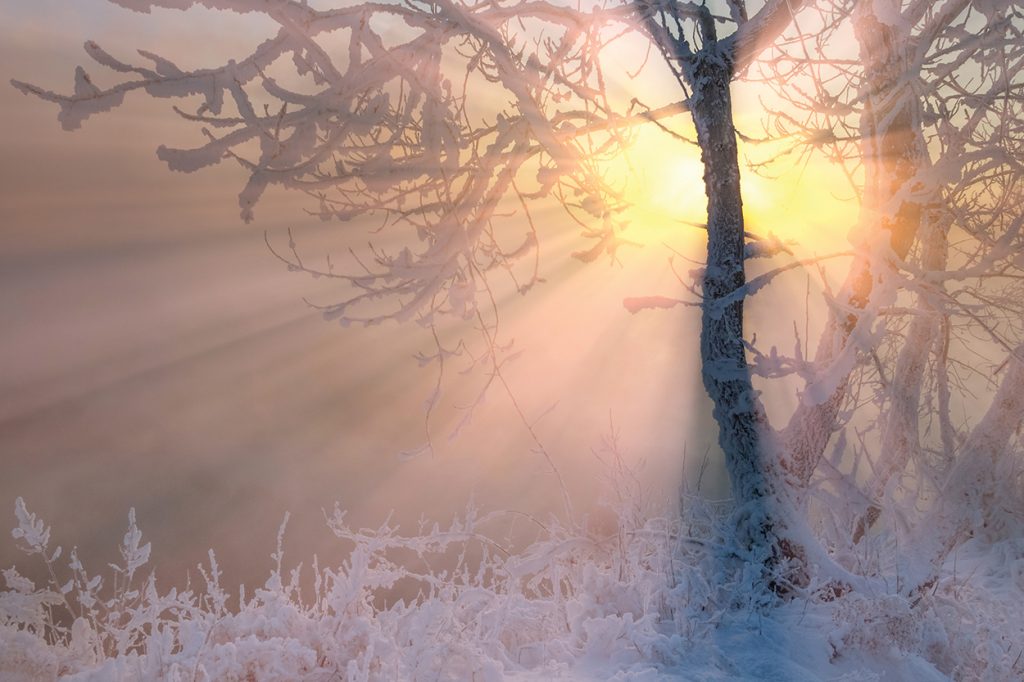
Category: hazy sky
[156,355]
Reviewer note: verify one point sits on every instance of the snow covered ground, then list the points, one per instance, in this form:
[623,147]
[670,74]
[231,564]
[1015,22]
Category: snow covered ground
[648,600]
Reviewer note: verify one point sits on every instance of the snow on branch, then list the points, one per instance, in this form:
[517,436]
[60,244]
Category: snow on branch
[436,115]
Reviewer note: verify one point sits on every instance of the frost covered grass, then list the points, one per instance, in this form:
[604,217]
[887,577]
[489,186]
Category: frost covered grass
[652,596]
[571,602]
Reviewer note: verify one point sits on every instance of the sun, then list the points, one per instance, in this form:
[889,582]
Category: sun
[810,205]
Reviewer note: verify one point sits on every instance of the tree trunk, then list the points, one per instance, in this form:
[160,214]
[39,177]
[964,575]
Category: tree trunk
[742,423]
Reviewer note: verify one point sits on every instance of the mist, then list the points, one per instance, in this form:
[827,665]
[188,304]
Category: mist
[158,356]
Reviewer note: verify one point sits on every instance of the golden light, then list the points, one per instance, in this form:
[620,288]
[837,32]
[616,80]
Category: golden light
[665,187]
[807,203]
[803,204]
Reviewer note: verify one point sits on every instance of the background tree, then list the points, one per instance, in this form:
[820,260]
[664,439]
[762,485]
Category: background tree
[926,115]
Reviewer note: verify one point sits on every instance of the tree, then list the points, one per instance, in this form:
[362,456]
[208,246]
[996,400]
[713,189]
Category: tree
[386,127]
[437,114]
[929,108]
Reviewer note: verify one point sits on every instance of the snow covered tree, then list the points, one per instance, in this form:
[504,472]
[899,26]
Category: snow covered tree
[924,106]
[903,450]
[436,115]
[436,112]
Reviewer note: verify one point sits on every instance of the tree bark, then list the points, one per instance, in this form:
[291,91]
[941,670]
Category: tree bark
[742,423]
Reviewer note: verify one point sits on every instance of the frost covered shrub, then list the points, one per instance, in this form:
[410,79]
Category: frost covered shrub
[573,600]
[644,596]
[977,613]
[969,626]
[877,624]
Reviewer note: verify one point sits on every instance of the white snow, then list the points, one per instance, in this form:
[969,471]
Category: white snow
[642,602]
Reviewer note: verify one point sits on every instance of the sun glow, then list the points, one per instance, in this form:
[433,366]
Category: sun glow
[810,204]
